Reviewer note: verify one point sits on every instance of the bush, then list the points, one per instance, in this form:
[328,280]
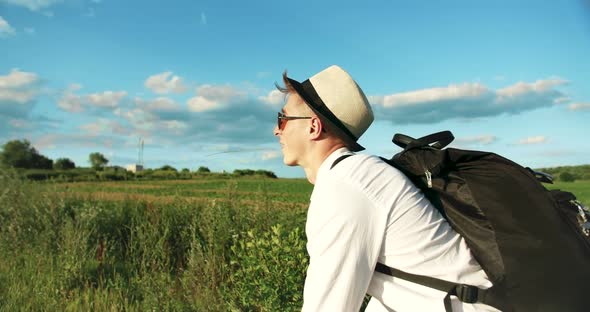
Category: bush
[63,164]
[567,177]
[168,167]
[250,172]
[268,270]
[111,176]
[164,174]
[40,174]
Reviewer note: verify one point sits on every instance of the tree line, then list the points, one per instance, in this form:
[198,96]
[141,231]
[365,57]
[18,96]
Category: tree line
[21,155]
[568,173]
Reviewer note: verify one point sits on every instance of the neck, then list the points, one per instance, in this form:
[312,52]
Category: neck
[317,157]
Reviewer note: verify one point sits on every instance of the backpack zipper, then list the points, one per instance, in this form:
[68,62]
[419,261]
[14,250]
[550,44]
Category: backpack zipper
[428,178]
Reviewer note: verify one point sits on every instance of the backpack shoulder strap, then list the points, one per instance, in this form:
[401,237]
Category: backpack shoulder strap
[339,159]
[465,293]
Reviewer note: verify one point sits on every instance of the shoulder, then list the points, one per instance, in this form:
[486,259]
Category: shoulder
[362,174]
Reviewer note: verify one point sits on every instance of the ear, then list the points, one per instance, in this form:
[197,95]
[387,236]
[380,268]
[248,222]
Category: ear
[315,129]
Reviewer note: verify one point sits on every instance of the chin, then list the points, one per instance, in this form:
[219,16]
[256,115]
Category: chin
[289,162]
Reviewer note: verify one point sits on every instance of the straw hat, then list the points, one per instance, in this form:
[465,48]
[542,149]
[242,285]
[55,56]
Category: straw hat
[334,95]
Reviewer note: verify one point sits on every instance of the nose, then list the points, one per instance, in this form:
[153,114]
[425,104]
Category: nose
[276,131]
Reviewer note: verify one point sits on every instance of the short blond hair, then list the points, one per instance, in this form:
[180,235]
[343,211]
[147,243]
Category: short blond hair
[288,88]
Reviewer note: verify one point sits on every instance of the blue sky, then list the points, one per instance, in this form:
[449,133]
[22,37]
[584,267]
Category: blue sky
[195,79]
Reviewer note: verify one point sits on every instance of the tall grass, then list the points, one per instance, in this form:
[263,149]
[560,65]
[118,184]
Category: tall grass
[156,246]
[62,252]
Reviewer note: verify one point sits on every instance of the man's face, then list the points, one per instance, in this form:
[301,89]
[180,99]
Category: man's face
[292,133]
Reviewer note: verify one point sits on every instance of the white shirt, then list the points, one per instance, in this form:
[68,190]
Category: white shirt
[364,211]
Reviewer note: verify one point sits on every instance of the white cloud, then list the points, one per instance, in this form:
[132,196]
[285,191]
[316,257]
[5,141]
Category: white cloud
[533,140]
[30,30]
[561,100]
[5,29]
[18,123]
[104,126]
[579,106]
[522,88]
[223,93]
[70,101]
[17,79]
[201,104]
[108,99]
[452,92]
[210,97]
[74,103]
[95,128]
[468,100]
[157,104]
[77,140]
[47,141]
[274,98]
[33,5]
[141,120]
[17,96]
[482,139]
[173,126]
[164,83]
[270,155]
[134,116]
[203,19]
[18,86]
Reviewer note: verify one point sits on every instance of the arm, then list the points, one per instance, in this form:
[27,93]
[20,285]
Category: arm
[345,230]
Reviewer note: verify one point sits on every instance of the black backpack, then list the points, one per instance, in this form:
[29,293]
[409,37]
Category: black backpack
[534,244]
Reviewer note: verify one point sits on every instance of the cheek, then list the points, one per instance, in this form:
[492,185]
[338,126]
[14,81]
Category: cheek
[289,148]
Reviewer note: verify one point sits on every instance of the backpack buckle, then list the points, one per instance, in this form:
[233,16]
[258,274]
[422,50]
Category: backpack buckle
[467,293]
[583,217]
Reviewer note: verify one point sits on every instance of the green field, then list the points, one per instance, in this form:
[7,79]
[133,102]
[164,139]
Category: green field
[207,244]
[256,189]
[580,188]
[188,245]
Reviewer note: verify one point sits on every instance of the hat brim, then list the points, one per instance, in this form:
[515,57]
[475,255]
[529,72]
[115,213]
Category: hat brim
[312,99]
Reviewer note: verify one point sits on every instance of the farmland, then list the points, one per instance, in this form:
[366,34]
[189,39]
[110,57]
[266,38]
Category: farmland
[257,189]
[190,245]
[206,244]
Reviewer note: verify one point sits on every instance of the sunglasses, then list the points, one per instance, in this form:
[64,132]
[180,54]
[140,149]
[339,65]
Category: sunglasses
[282,119]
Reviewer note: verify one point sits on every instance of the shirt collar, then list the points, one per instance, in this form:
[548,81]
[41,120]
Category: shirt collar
[325,166]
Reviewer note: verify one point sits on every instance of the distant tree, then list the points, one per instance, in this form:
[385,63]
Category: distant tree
[64,164]
[266,173]
[41,162]
[17,154]
[185,170]
[567,177]
[203,170]
[20,154]
[168,168]
[97,161]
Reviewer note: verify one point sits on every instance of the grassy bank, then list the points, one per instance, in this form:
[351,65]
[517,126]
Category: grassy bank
[61,250]
[188,245]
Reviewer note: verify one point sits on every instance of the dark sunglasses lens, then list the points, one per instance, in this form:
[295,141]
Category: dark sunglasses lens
[279,121]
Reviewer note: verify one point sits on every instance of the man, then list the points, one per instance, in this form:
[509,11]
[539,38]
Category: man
[362,210]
